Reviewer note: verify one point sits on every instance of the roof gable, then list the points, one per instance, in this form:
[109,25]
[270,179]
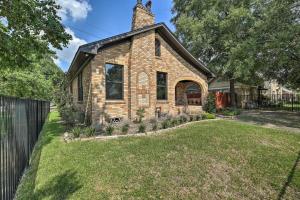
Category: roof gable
[93,48]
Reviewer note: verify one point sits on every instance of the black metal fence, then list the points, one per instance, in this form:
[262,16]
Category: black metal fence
[288,102]
[21,122]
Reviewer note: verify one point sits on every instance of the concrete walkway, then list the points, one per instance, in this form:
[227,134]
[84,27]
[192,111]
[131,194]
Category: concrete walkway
[272,119]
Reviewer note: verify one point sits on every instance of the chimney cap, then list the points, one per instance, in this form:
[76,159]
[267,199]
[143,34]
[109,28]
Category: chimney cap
[139,2]
[149,5]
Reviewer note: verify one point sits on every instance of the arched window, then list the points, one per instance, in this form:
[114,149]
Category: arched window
[157,48]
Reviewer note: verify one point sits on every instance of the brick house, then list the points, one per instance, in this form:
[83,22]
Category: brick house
[144,68]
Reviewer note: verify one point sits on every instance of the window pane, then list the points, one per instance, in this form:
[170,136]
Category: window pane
[161,93]
[161,79]
[114,73]
[114,81]
[114,91]
[157,47]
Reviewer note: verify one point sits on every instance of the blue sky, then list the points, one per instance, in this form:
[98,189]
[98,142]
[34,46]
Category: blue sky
[90,20]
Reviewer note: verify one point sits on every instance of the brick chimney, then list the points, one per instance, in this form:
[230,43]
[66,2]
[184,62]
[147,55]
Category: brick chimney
[142,15]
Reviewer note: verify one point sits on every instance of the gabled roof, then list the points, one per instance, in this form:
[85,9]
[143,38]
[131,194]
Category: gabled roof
[91,49]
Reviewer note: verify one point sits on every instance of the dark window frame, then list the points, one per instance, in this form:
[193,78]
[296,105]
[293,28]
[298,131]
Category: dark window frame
[159,86]
[107,81]
[80,87]
[157,48]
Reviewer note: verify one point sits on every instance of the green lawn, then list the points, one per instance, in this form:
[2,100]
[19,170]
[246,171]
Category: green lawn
[207,160]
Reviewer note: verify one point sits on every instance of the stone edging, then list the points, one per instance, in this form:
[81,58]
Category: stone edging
[103,138]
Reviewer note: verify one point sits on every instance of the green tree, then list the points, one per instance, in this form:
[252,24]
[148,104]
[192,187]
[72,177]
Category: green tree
[27,30]
[38,82]
[237,39]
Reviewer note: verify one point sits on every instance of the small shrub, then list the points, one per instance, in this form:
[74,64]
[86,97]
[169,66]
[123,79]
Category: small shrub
[109,129]
[154,127]
[183,118]
[153,122]
[142,128]
[76,131]
[199,117]
[208,116]
[141,114]
[89,131]
[174,122]
[230,112]
[210,105]
[125,128]
[192,118]
[69,115]
[166,124]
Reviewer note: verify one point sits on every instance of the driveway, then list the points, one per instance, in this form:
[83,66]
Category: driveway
[272,119]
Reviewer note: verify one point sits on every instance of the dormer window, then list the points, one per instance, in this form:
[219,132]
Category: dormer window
[157,48]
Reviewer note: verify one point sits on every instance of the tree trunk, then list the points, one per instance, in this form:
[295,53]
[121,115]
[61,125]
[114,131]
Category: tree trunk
[232,94]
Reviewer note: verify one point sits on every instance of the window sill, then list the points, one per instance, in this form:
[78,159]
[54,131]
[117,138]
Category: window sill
[80,102]
[162,101]
[115,102]
[158,57]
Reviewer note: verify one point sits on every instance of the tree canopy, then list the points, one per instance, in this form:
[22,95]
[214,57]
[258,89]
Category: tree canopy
[245,40]
[37,82]
[28,29]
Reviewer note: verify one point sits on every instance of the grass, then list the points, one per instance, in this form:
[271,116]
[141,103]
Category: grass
[208,160]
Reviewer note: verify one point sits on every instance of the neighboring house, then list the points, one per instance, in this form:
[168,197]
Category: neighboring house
[144,68]
[245,94]
[273,90]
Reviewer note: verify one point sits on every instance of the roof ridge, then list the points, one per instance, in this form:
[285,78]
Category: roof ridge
[121,34]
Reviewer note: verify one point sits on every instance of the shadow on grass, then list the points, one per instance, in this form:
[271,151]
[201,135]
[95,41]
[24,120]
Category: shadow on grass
[289,179]
[61,186]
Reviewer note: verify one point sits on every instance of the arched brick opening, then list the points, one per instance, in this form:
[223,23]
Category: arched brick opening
[188,93]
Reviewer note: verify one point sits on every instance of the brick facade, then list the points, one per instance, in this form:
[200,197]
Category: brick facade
[137,56]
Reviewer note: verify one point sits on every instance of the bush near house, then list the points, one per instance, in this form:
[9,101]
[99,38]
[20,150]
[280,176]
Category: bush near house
[208,116]
[229,112]
[210,105]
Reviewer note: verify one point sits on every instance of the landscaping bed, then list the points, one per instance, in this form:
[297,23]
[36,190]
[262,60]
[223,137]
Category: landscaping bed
[140,126]
[217,159]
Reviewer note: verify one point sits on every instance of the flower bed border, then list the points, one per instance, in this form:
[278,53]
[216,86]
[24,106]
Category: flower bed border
[111,137]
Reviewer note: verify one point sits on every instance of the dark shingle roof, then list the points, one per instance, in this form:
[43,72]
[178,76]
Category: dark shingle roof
[92,48]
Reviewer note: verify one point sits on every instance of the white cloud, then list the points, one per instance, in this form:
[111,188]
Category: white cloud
[74,9]
[68,53]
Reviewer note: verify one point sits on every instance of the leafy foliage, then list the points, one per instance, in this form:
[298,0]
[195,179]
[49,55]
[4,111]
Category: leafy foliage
[27,30]
[208,116]
[89,131]
[76,131]
[38,82]
[109,129]
[230,112]
[125,128]
[245,40]
[141,114]
[142,128]
[210,105]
